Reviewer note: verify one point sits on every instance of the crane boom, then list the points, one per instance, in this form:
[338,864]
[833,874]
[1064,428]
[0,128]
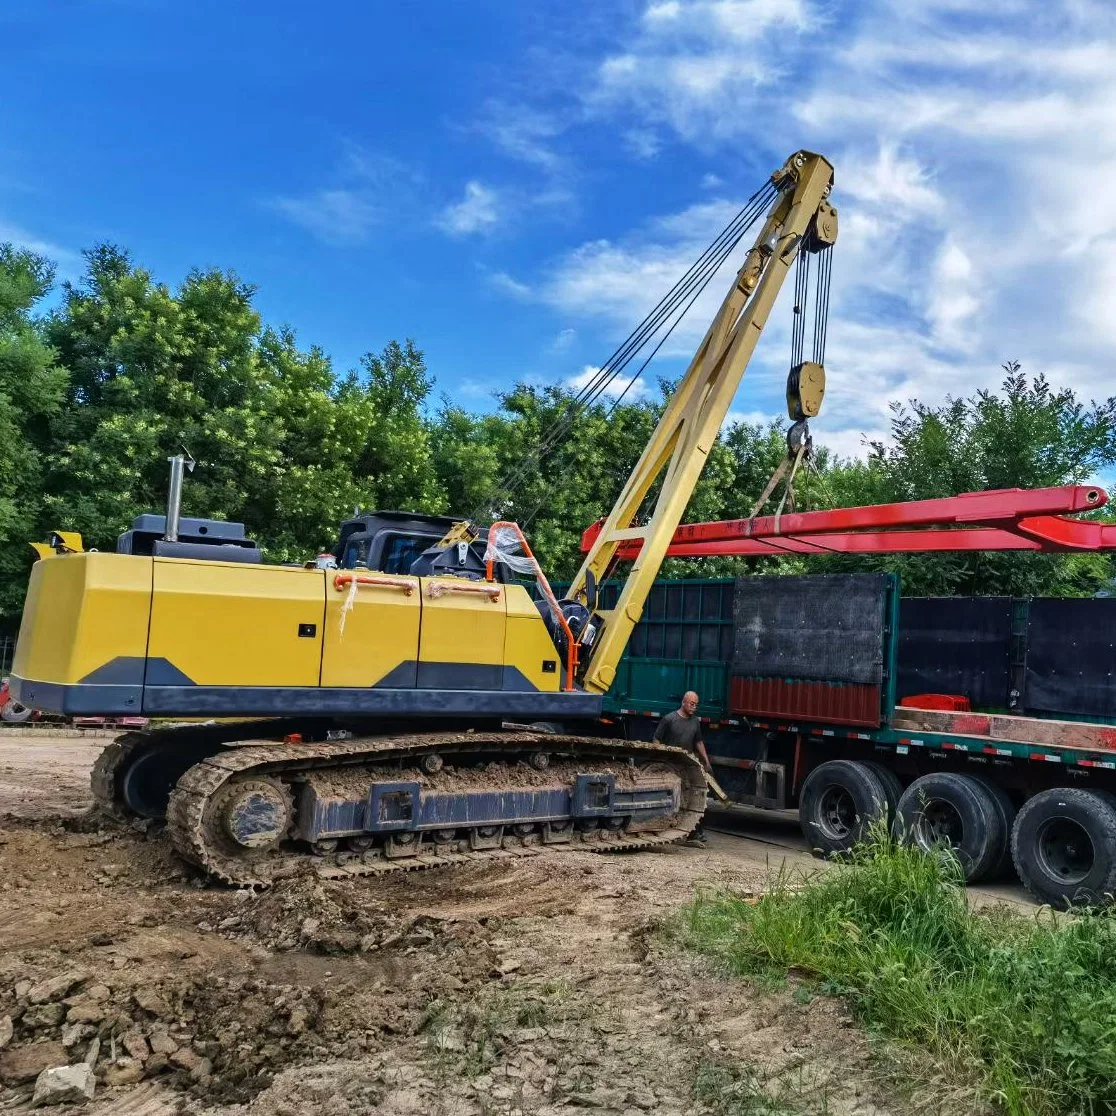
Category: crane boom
[800,217]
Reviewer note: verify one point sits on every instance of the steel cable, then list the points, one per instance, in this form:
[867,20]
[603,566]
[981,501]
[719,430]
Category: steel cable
[684,292]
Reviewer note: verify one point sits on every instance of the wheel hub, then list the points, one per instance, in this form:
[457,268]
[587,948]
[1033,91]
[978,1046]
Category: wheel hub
[940,823]
[837,813]
[255,814]
[1066,850]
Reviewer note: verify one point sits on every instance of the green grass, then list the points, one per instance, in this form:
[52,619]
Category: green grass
[1023,1006]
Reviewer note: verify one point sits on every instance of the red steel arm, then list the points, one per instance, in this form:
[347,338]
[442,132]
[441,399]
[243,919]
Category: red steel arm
[1001,519]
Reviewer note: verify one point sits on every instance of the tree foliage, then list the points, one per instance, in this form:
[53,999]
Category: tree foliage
[95,395]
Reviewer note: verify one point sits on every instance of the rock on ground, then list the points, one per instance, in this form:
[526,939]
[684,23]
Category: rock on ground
[25,1063]
[64,1085]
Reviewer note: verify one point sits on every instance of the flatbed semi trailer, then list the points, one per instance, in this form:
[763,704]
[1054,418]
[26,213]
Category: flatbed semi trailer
[810,690]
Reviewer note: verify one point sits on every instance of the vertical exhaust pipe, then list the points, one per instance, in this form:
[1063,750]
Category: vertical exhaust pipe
[179,465]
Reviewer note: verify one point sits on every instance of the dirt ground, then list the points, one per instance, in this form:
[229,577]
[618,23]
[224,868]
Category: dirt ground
[544,986]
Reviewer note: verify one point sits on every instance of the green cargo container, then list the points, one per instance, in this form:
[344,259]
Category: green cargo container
[657,686]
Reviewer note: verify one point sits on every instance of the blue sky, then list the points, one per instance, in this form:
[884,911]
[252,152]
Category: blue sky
[515,184]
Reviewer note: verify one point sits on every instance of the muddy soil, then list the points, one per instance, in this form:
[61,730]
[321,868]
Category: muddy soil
[543,986]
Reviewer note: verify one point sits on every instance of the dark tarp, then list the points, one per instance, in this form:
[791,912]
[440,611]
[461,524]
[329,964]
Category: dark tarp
[1071,654]
[828,627]
[956,645]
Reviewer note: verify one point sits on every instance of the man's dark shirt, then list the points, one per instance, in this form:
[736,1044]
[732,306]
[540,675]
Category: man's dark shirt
[679,732]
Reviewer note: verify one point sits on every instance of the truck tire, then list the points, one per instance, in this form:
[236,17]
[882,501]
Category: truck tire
[892,785]
[1064,846]
[1003,803]
[15,714]
[953,809]
[839,802]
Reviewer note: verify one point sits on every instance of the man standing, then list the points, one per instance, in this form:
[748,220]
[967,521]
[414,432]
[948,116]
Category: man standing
[682,729]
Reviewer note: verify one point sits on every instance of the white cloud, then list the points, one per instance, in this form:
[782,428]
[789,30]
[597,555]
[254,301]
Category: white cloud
[696,65]
[622,385]
[749,418]
[67,262]
[335,216]
[953,299]
[522,132]
[563,340]
[506,284]
[711,182]
[620,282]
[643,143]
[969,143]
[476,212]
[892,179]
[367,188]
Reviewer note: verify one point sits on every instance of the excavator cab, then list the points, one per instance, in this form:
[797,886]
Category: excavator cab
[394,542]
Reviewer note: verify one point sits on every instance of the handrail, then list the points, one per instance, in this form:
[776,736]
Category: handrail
[341,580]
[436,589]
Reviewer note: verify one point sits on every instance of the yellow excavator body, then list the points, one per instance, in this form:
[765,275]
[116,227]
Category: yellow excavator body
[135,635]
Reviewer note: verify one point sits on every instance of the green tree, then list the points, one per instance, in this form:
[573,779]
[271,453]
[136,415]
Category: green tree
[32,387]
[281,443]
[151,370]
[94,398]
[555,497]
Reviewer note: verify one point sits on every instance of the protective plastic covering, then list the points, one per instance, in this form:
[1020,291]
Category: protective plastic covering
[347,607]
[505,544]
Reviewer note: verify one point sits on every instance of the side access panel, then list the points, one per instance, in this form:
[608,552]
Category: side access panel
[461,644]
[232,625]
[531,660]
[371,635]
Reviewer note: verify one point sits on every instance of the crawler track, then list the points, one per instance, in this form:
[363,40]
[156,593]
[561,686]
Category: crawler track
[197,839]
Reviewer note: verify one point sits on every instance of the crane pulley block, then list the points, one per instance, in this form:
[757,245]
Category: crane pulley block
[805,388]
[823,232]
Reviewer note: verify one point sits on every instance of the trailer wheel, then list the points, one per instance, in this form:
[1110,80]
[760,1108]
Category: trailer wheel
[839,802]
[1064,846]
[892,785]
[955,810]
[1006,808]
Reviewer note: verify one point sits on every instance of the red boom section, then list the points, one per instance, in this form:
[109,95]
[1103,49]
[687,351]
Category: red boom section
[1000,519]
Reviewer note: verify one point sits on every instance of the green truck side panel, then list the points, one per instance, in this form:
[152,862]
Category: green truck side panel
[657,686]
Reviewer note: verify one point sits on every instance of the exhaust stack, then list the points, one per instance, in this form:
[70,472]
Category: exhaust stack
[179,465]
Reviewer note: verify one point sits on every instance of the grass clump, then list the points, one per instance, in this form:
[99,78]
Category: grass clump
[737,1091]
[1028,1005]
